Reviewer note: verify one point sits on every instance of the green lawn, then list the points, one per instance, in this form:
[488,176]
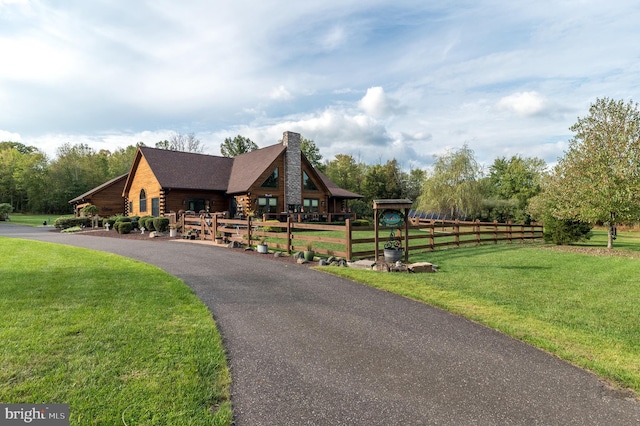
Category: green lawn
[120,341]
[584,308]
[33,219]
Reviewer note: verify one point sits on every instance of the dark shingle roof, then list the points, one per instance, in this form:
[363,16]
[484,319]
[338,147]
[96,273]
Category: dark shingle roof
[187,170]
[335,190]
[248,167]
[100,188]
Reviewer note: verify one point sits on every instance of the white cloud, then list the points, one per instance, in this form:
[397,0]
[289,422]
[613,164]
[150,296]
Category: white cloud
[378,104]
[280,93]
[524,103]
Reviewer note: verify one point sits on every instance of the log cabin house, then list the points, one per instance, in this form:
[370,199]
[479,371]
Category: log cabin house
[107,197]
[272,182]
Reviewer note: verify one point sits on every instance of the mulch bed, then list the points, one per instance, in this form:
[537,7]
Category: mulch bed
[136,235]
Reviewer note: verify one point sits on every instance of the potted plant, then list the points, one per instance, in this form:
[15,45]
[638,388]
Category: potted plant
[173,230]
[262,246]
[392,251]
[218,237]
[309,254]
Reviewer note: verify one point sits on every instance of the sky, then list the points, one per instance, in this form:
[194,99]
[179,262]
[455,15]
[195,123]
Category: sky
[376,79]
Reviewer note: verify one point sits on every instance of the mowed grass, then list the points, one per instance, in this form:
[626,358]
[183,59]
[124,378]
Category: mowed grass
[33,219]
[120,341]
[584,308]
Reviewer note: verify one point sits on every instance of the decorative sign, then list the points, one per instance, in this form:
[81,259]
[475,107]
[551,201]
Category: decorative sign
[391,218]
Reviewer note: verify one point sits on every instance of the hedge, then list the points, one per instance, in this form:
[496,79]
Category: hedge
[70,222]
[160,224]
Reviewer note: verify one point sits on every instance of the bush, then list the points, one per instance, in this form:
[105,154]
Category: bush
[123,219]
[360,222]
[566,231]
[160,224]
[5,209]
[70,222]
[146,222]
[123,227]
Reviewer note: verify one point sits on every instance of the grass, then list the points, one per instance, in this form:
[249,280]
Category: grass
[583,308]
[33,219]
[120,341]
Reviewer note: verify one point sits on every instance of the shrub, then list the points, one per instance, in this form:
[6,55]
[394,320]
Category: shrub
[161,224]
[70,222]
[90,210]
[123,227]
[146,222]
[111,221]
[566,231]
[123,219]
[360,222]
[5,209]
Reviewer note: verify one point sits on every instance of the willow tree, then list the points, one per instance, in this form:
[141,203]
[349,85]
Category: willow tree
[452,187]
[598,179]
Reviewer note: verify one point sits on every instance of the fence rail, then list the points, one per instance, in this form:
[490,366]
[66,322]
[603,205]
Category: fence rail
[339,240]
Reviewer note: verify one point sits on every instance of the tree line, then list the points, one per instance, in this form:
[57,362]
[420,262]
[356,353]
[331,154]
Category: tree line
[596,182]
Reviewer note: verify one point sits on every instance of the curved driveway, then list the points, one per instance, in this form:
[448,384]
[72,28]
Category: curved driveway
[306,348]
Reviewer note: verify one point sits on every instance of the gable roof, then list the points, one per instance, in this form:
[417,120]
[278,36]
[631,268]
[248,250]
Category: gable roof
[99,188]
[185,170]
[335,190]
[248,167]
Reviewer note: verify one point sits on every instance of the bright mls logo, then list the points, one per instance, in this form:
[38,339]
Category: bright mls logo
[37,414]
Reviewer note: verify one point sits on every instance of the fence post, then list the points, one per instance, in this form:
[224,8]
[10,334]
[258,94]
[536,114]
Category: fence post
[348,236]
[456,228]
[215,227]
[522,233]
[202,226]
[477,230]
[432,234]
[289,235]
[249,231]
[495,231]
[509,235]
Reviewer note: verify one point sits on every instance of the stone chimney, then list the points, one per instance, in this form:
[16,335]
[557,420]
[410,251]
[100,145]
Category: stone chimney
[293,169]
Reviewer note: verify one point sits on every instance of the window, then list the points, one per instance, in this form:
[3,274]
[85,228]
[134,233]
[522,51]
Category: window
[196,204]
[307,183]
[155,207]
[272,180]
[310,205]
[143,201]
[130,207]
[267,205]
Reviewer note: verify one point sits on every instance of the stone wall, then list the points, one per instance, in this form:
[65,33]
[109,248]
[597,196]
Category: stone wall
[293,169]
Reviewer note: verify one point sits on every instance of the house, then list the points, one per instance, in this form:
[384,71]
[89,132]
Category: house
[273,180]
[107,197]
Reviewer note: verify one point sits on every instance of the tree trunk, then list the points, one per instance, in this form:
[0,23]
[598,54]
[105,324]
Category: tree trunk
[610,236]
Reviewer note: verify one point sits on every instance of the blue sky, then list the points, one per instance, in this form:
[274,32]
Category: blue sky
[375,79]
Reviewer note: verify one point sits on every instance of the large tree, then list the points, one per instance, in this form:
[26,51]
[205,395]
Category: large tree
[452,187]
[181,142]
[236,146]
[598,179]
[511,184]
[311,152]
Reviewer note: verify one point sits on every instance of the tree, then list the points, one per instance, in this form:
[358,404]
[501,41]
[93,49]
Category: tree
[180,142]
[346,172]
[511,183]
[598,179]
[236,146]
[452,187]
[383,181]
[311,152]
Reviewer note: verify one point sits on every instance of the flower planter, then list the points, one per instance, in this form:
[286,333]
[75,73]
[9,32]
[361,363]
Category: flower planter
[262,248]
[392,255]
[173,232]
[309,255]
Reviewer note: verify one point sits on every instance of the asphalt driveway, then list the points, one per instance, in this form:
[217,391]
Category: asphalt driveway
[306,348]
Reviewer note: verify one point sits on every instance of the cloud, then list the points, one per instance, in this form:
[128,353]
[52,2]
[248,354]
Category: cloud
[378,104]
[524,103]
[280,93]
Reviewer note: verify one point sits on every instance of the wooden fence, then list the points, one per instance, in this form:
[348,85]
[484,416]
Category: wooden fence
[352,242]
